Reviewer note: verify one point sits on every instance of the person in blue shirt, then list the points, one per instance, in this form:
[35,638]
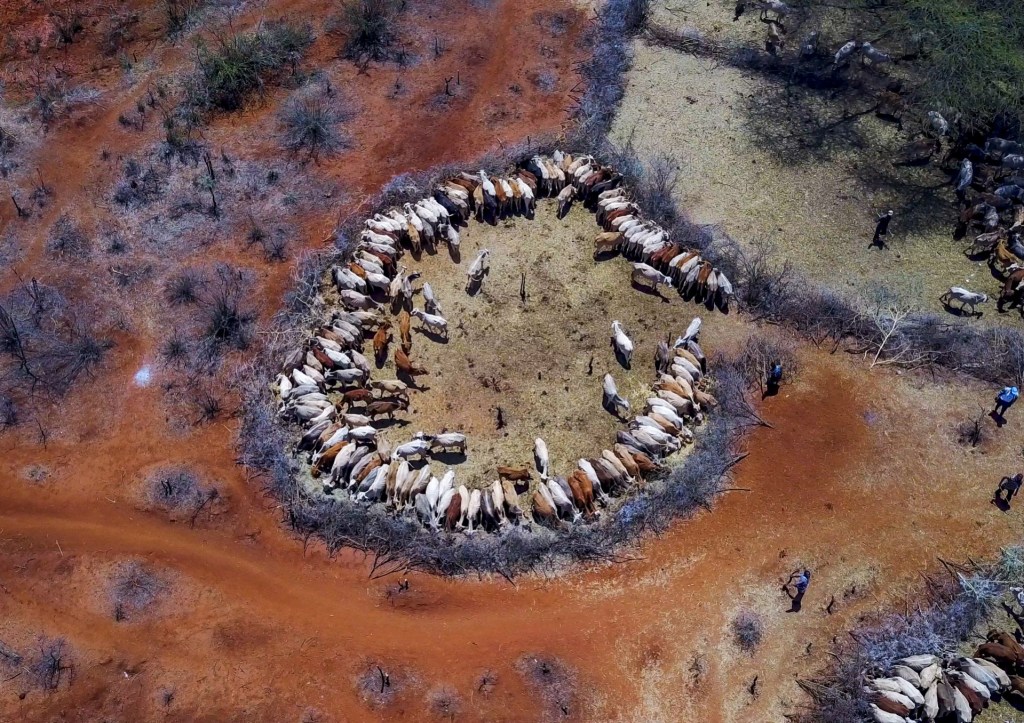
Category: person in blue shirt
[774,379]
[799,581]
[1005,399]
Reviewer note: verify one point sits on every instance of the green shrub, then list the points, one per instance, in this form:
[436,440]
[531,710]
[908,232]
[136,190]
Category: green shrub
[369,28]
[233,67]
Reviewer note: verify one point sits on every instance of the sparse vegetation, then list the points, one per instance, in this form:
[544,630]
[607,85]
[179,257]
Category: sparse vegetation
[180,13]
[138,186]
[67,239]
[185,288]
[747,630]
[134,588]
[228,319]
[231,68]
[369,27]
[180,490]
[311,123]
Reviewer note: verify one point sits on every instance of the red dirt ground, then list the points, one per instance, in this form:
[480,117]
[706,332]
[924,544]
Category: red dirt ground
[255,630]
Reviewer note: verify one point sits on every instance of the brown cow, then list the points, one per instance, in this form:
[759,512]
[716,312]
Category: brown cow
[627,460]
[375,409]
[357,270]
[406,365]
[1004,657]
[404,326]
[607,243]
[544,512]
[662,257]
[499,192]
[1004,638]
[606,222]
[386,262]
[582,492]
[644,463]
[1012,288]
[974,699]
[529,179]
[704,399]
[511,499]
[356,396]
[1016,688]
[380,342]
[454,513]
[325,360]
[464,182]
[890,706]
[516,474]
[327,458]
[370,467]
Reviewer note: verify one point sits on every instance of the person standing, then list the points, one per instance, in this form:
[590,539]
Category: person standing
[799,581]
[774,379]
[1005,399]
[882,229]
[1009,487]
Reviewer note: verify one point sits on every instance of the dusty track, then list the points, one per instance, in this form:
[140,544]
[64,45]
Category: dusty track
[286,629]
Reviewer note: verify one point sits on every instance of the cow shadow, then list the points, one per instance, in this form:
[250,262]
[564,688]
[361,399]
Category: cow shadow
[961,312]
[388,422]
[432,335]
[474,286]
[455,253]
[650,292]
[450,458]
[623,361]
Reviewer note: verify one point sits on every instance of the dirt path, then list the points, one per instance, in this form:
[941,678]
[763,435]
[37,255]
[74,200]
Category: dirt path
[632,631]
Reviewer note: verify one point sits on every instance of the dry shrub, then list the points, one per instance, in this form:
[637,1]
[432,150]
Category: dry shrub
[138,186]
[378,686]
[186,287]
[369,28]
[747,630]
[67,239]
[310,123]
[444,702]
[762,351]
[134,588]
[181,490]
[552,680]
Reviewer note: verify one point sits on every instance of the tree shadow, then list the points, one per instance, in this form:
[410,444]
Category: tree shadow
[799,126]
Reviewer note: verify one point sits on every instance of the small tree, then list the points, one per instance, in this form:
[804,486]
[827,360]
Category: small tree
[310,123]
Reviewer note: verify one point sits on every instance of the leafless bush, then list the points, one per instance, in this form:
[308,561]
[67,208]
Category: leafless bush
[552,679]
[972,432]
[186,287]
[310,123]
[175,350]
[747,630]
[118,32]
[761,352]
[179,14]
[55,97]
[67,25]
[44,344]
[378,684]
[444,702]
[134,588]
[229,320]
[180,490]
[51,664]
[763,284]
[67,239]
[138,186]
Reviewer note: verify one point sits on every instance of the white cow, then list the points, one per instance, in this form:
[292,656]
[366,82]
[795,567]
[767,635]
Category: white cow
[612,400]
[644,275]
[967,299]
[435,323]
[540,456]
[622,343]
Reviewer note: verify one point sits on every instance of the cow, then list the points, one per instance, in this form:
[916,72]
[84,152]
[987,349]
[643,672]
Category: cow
[540,456]
[515,474]
[611,399]
[405,365]
[377,408]
[1012,288]
[436,324]
[622,343]
[967,299]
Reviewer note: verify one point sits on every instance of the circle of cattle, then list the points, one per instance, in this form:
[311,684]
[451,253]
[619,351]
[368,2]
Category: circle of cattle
[325,385]
[951,688]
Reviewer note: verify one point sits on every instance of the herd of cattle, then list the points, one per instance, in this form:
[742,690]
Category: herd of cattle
[325,384]
[953,688]
[990,186]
